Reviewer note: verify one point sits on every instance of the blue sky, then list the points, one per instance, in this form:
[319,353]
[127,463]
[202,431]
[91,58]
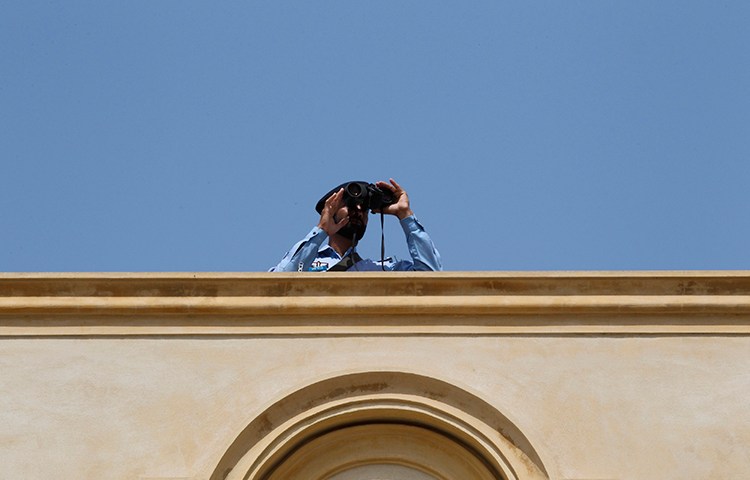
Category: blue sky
[531,135]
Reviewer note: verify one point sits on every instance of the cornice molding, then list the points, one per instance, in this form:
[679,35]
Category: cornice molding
[444,303]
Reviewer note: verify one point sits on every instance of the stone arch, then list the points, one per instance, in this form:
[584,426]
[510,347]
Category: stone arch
[341,424]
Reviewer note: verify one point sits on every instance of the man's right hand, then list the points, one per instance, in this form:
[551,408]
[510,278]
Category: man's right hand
[328,218]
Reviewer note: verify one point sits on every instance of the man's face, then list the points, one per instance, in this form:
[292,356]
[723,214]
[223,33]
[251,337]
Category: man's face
[357,221]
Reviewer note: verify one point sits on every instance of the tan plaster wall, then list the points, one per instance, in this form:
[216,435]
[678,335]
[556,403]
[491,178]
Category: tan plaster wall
[168,408]
[593,405]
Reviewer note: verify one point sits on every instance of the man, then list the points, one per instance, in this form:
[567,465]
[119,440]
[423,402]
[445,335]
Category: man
[344,223]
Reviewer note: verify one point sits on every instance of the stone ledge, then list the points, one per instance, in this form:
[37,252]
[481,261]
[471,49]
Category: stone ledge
[375,283]
[445,303]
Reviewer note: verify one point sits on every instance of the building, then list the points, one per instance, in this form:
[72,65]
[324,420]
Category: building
[362,376]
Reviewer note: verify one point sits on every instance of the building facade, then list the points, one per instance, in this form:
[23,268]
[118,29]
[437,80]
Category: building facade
[364,376]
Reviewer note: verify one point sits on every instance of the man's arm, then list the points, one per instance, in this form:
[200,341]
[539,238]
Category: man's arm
[303,253]
[423,253]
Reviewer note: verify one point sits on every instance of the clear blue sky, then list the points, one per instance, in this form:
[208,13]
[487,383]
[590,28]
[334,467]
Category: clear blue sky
[531,135]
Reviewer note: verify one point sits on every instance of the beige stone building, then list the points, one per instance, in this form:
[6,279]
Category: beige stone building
[372,376]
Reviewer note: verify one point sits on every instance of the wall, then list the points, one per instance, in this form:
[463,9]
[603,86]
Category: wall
[586,375]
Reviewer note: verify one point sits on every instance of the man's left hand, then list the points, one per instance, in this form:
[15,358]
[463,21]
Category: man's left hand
[400,207]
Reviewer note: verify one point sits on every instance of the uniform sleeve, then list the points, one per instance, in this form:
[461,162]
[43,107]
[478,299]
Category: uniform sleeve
[424,255]
[302,254]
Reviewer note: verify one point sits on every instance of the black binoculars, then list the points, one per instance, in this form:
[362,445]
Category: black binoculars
[369,196]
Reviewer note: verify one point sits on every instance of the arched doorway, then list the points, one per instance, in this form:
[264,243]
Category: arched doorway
[381,426]
[382,452]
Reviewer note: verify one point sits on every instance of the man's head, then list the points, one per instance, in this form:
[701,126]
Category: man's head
[350,207]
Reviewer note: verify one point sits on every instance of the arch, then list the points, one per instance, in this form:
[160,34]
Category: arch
[425,410]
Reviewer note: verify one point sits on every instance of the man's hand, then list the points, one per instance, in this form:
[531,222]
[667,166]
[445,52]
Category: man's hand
[400,207]
[328,222]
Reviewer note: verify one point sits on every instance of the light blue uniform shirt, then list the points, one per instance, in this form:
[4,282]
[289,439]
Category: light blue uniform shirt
[311,255]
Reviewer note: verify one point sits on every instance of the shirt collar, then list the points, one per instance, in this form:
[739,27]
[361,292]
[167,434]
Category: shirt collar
[328,251]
